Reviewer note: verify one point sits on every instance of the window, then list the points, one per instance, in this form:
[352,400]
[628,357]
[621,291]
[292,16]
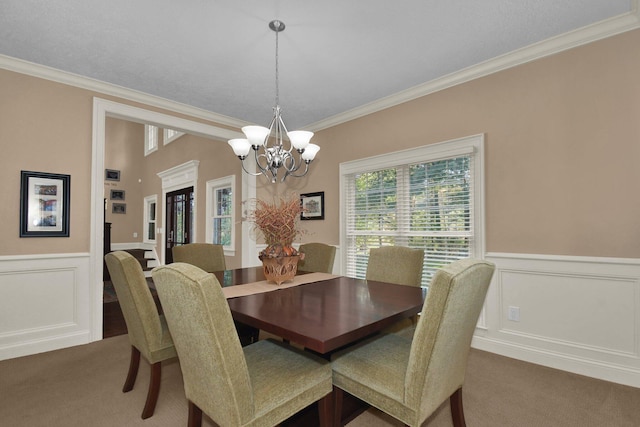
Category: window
[170,135]
[220,215]
[150,139]
[150,212]
[428,198]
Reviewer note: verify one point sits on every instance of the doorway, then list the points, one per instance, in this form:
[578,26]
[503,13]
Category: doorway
[102,109]
[179,220]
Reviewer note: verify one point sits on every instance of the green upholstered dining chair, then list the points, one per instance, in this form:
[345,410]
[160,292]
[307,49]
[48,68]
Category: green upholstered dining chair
[147,329]
[261,384]
[206,256]
[210,258]
[395,264]
[409,379]
[318,258]
[399,265]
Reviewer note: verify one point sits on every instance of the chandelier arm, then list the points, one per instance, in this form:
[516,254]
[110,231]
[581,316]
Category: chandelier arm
[250,173]
[306,169]
[269,155]
[263,169]
[278,131]
[266,138]
[284,127]
[292,165]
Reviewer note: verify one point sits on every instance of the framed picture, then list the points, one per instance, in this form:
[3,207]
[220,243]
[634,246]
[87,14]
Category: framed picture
[117,194]
[111,175]
[312,205]
[119,208]
[44,204]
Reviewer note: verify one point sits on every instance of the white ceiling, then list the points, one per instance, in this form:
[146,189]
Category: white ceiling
[335,55]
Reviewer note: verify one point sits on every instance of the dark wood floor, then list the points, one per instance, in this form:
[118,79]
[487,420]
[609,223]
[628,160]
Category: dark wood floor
[112,320]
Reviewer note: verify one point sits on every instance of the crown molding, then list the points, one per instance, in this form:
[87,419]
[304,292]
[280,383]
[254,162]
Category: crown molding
[71,79]
[601,30]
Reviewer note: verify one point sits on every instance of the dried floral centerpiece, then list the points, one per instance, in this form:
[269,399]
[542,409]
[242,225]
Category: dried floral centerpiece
[278,223]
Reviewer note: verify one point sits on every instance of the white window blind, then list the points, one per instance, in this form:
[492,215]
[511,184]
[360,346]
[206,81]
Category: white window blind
[170,135]
[427,205]
[150,214]
[150,139]
[220,213]
[222,218]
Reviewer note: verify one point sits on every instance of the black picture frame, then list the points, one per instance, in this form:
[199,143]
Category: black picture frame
[44,204]
[117,195]
[119,208]
[111,175]
[312,206]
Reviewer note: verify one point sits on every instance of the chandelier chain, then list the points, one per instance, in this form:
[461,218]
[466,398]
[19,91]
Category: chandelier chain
[277,72]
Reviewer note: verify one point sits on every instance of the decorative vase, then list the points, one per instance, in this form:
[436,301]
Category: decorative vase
[280,269]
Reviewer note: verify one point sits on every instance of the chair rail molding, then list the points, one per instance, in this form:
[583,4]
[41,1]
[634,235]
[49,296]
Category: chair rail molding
[578,314]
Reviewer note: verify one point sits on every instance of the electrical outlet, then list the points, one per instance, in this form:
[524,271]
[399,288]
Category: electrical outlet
[135,235]
[514,314]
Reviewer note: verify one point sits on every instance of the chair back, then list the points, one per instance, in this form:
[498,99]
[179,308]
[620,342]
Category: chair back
[442,340]
[318,258]
[206,256]
[213,365]
[395,264]
[135,299]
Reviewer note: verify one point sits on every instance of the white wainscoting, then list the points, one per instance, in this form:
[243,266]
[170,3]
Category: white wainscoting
[577,314]
[44,303]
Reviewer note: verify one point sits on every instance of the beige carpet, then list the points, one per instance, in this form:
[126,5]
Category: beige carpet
[81,386]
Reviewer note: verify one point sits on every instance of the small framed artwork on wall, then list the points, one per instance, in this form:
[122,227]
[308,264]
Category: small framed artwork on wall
[111,175]
[117,194]
[119,208]
[312,205]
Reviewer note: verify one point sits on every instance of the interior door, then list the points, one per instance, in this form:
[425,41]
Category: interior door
[179,208]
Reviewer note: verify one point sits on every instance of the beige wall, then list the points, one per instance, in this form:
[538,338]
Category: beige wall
[562,147]
[44,127]
[562,143]
[47,127]
[139,177]
[124,151]
[216,161]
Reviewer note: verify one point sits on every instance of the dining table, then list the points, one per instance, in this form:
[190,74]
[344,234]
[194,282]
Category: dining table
[325,312]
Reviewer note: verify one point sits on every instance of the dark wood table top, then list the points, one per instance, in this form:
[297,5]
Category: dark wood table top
[324,316]
[240,276]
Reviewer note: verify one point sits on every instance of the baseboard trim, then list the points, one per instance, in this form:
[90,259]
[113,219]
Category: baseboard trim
[564,362]
[27,348]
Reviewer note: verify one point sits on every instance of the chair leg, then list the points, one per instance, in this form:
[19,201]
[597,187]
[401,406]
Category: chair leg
[195,415]
[325,410]
[338,394]
[133,370]
[154,390]
[457,412]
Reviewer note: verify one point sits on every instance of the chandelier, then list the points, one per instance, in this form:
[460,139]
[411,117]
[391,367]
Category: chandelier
[268,144]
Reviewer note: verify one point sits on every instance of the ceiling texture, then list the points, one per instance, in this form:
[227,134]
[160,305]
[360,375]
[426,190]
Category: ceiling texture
[338,59]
